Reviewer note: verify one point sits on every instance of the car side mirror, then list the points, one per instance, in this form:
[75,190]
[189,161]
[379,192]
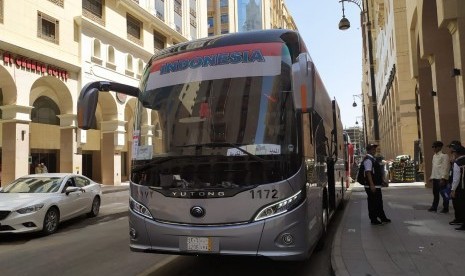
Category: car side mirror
[70,189]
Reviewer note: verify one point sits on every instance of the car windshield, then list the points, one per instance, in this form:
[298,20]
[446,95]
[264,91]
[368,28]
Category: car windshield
[34,185]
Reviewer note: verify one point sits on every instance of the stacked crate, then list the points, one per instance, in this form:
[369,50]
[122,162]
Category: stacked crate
[403,169]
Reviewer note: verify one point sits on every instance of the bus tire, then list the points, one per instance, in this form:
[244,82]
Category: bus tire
[324,228]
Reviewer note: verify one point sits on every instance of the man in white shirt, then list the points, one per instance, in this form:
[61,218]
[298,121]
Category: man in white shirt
[439,176]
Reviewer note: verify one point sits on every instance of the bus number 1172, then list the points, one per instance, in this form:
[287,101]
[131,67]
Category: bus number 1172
[259,194]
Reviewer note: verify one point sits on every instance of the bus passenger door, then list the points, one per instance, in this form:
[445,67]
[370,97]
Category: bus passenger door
[331,185]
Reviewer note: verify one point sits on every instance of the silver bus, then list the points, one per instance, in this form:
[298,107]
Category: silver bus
[248,150]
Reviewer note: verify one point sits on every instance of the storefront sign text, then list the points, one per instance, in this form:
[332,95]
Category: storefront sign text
[35,66]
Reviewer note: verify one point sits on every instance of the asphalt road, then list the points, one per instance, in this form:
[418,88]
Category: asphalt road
[100,246]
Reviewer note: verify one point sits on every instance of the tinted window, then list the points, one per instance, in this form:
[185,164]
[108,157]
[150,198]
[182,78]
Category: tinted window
[81,182]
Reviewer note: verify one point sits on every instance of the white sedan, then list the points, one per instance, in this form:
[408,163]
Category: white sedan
[39,202]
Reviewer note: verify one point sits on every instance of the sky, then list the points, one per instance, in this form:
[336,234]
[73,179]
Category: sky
[337,54]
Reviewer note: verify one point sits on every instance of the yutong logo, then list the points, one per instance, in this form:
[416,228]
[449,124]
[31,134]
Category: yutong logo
[198,194]
[197,212]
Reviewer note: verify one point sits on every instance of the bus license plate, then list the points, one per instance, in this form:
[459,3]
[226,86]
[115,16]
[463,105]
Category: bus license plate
[199,244]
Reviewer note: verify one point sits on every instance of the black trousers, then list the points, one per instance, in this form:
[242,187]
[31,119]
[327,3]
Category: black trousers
[436,189]
[375,204]
[459,204]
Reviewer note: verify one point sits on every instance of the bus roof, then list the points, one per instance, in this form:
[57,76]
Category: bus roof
[291,38]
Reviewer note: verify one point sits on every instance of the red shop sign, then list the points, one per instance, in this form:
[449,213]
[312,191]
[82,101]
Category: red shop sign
[35,66]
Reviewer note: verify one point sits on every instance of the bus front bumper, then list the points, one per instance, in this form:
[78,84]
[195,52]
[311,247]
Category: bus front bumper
[284,237]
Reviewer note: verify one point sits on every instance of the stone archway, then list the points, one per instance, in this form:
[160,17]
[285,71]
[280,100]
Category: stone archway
[11,131]
[431,63]
[53,139]
[112,139]
[436,47]
[129,112]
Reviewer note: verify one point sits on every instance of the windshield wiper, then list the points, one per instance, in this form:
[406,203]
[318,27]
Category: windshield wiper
[225,145]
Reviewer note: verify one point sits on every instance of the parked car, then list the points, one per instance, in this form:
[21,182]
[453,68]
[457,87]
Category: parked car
[39,202]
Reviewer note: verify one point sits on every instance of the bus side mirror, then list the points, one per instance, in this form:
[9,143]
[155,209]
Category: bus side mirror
[87,102]
[302,83]
[87,105]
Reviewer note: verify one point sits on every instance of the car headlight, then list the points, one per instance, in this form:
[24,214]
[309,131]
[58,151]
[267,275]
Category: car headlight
[139,208]
[280,207]
[30,209]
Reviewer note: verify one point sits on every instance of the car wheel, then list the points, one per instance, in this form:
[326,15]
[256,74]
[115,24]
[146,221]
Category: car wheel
[51,220]
[95,207]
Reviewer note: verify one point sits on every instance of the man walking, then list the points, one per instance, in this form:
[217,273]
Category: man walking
[439,176]
[374,178]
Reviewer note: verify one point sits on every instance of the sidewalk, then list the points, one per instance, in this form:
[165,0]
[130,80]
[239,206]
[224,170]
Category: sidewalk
[417,242]
[113,189]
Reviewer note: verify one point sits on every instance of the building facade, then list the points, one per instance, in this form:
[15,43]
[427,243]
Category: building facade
[231,16]
[419,51]
[51,50]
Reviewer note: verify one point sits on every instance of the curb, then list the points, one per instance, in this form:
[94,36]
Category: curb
[337,262]
[113,189]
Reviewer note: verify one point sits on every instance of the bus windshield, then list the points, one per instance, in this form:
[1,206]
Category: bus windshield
[218,131]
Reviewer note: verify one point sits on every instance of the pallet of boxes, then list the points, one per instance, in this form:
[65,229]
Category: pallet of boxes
[403,169]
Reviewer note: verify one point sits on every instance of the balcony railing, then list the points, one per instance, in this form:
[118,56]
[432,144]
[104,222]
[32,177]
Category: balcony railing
[193,22]
[178,9]
[159,15]
[193,12]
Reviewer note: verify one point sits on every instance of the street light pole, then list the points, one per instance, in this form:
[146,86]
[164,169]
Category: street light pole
[365,134]
[360,96]
[344,24]
[360,132]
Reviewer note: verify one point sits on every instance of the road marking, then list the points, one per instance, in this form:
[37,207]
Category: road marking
[157,266]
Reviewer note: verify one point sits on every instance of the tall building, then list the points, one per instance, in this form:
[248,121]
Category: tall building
[395,89]
[357,139]
[419,53]
[231,16]
[51,49]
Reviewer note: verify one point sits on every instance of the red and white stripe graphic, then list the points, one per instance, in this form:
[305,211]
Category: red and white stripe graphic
[268,65]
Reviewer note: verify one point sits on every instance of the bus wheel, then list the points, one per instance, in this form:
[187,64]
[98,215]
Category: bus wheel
[324,228]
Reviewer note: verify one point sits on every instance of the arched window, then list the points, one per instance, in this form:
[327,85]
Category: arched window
[96,49]
[129,63]
[111,54]
[45,111]
[141,67]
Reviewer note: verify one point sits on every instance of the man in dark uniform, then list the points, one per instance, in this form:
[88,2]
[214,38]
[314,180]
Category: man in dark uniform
[453,156]
[458,187]
[374,178]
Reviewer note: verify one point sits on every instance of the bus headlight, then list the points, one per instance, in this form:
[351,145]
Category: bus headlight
[139,208]
[279,207]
